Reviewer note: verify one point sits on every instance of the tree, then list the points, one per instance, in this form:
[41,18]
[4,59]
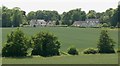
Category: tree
[44,15]
[105,44]
[6,17]
[16,45]
[57,22]
[12,17]
[31,15]
[0,17]
[118,11]
[17,17]
[73,15]
[114,18]
[91,14]
[45,44]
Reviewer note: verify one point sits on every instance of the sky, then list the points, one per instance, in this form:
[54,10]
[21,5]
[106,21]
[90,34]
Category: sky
[61,5]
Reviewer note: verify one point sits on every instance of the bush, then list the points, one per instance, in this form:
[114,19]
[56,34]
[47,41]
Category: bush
[45,44]
[118,51]
[72,51]
[16,45]
[105,25]
[90,51]
[105,44]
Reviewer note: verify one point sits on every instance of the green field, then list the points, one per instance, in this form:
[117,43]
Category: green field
[80,59]
[81,38]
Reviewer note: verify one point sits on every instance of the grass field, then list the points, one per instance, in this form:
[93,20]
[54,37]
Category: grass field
[80,59]
[81,38]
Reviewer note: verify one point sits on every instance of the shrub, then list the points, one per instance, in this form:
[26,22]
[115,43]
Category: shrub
[118,50]
[45,44]
[90,51]
[105,25]
[73,51]
[105,44]
[16,45]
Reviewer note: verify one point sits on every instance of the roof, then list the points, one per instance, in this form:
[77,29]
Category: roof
[92,20]
[79,22]
[41,20]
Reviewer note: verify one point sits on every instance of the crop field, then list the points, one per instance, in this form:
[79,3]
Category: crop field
[81,38]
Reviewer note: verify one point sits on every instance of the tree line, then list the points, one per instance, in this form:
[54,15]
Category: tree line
[15,17]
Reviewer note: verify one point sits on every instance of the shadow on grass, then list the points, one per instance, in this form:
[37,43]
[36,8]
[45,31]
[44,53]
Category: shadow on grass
[19,57]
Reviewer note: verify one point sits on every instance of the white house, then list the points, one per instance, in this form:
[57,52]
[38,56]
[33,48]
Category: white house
[37,22]
[50,23]
[87,23]
[41,23]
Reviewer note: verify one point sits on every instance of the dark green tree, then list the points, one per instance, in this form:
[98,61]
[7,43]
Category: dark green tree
[57,22]
[0,16]
[45,44]
[6,17]
[16,45]
[17,17]
[118,14]
[31,15]
[105,44]
[114,19]
[73,15]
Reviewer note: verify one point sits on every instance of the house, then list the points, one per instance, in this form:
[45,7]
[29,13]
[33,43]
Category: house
[87,23]
[37,22]
[41,23]
[79,23]
[50,23]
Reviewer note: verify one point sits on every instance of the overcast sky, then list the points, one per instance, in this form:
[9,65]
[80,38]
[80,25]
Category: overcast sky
[61,5]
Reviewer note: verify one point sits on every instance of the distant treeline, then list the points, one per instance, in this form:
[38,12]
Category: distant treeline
[15,17]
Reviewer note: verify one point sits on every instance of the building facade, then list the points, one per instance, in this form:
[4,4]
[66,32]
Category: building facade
[87,23]
[41,23]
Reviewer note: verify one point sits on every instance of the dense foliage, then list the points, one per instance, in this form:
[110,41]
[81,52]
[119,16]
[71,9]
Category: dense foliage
[0,17]
[118,51]
[73,51]
[14,17]
[118,11]
[16,45]
[44,15]
[68,18]
[90,51]
[105,44]
[46,44]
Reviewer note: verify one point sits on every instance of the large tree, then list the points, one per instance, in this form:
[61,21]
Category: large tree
[118,14]
[12,17]
[6,17]
[16,45]
[73,15]
[17,17]
[45,44]
[105,44]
